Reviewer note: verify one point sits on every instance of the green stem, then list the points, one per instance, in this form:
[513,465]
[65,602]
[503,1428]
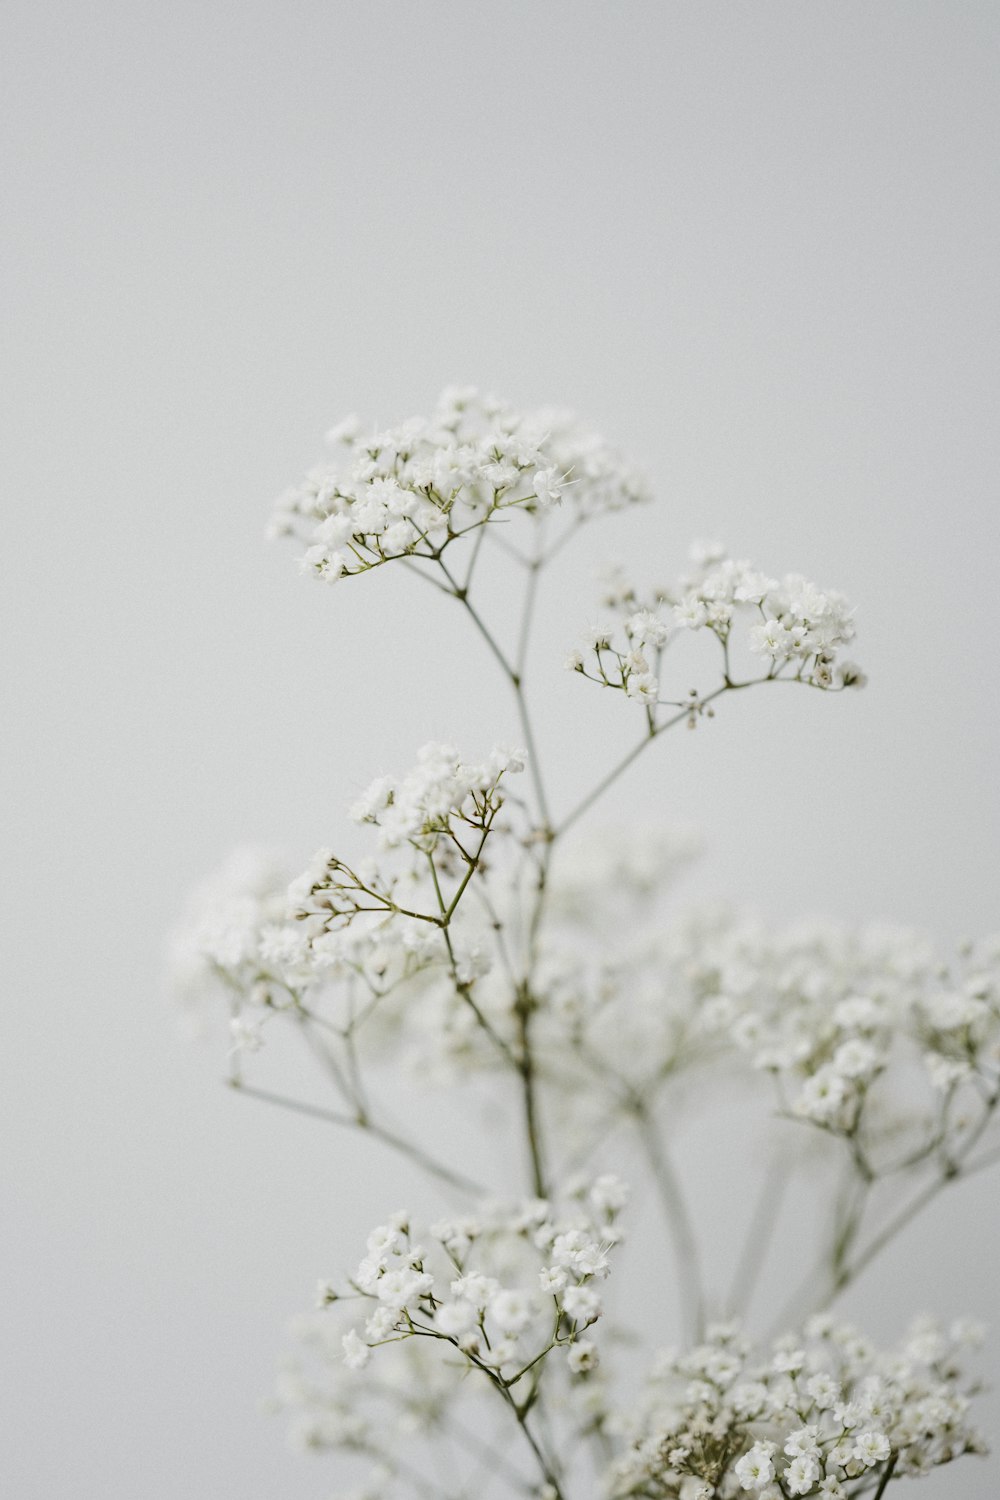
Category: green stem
[548,1472]
[760,1232]
[886,1476]
[679,1225]
[654,733]
[952,1173]
[523,1008]
[514,677]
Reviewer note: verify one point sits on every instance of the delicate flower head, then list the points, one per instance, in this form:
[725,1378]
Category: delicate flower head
[412,490]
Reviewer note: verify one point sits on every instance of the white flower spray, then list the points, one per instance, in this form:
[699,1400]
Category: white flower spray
[480,1353]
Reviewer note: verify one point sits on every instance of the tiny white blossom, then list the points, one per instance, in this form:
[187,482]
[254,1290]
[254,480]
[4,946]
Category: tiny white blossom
[581,1357]
[511,1311]
[801,1474]
[872,1447]
[755,1469]
[356,1352]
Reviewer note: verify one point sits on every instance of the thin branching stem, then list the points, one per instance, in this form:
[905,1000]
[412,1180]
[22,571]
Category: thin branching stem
[887,1474]
[760,1232]
[407,1148]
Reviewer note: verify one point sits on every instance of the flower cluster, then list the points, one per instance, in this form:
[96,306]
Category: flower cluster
[795,626]
[824,1415]
[439,815]
[263,944]
[618,872]
[405,1401]
[222,951]
[830,1010]
[243,953]
[548,978]
[441,791]
[505,1285]
[411,490]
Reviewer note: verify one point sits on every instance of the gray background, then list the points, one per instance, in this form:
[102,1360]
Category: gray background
[756,245]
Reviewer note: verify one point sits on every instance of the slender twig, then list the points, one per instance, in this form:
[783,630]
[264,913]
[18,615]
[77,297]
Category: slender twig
[526,1068]
[545,1464]
[623,765]
[696,705]
[527,617]
[988,1159]
[603,785]
[321,1049]
[953,1171]
[419,573]
[476,546]
[459,593]
[511,673]
[398,1143]
[493,1461]
[464,990]
[760,1231]
[678,1221]
[830,1272]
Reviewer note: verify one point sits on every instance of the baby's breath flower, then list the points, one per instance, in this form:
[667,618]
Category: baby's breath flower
[473,944]
[412,490]
[582,1357]
[712,1433]
[795,626]
[498,1311]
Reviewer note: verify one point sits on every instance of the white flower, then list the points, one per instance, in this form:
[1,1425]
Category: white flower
[356,1352]
[642,686]
[502,1353]
[824,1390]
[801,1474]
[511,1311]
[401,1286]
[856,1013]
[871,1448]
[856,1059]
[475,1288]
[455,1318]
[755,1469]
[552,1278]
[945,1072]
[581,1303]
[548,486]
[773,638]
[608,1194]
[381,1324]
[691,613]
[823,1096]
[419,806]
[582,1356]
[749,1398]
[646,628]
